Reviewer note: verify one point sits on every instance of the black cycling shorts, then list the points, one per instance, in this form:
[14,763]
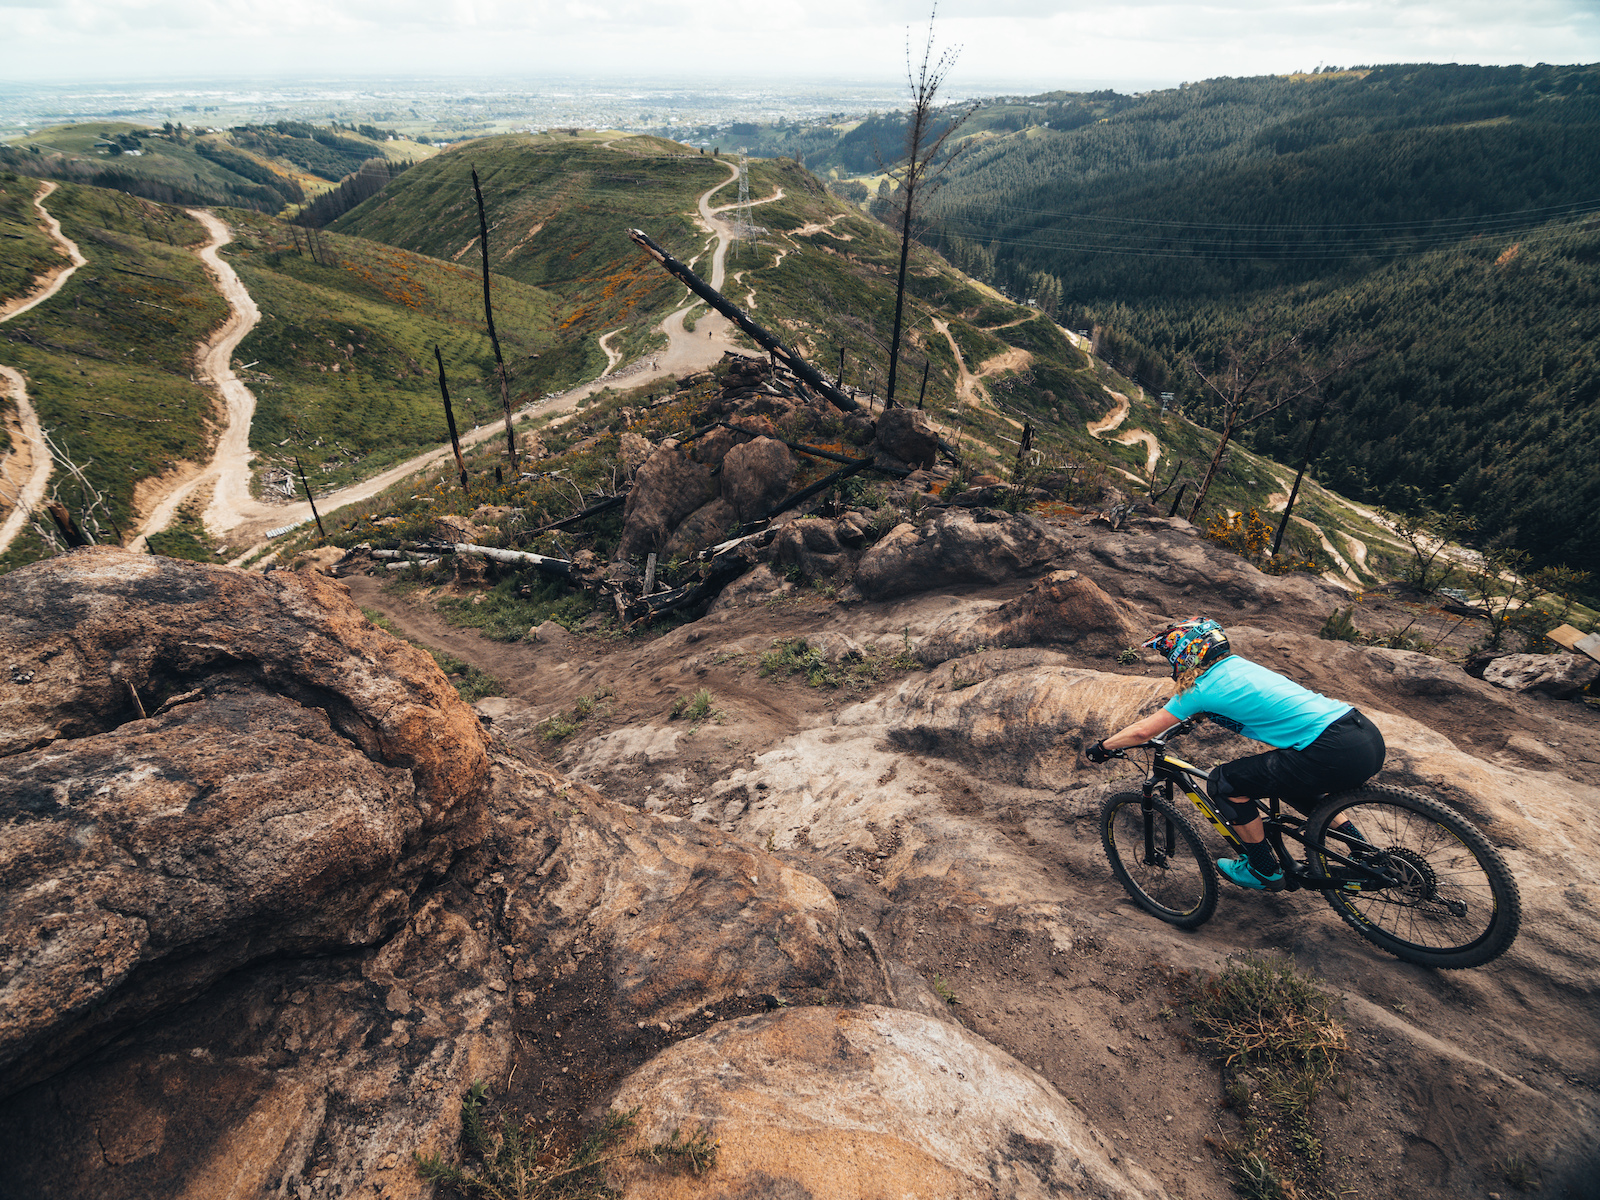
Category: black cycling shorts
[1345,755]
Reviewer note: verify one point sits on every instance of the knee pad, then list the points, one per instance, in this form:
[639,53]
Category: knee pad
[1237,812]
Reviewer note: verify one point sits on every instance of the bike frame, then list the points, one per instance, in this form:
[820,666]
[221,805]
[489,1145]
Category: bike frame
[1168,773]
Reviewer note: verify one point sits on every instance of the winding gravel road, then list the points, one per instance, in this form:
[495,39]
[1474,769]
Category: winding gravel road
[32,458]
[246,521]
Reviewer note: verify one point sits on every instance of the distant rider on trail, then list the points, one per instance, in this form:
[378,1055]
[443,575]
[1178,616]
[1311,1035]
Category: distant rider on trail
[1323,745]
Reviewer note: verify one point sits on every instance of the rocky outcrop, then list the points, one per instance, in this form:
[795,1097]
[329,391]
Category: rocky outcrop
[634,450]
[705,526]
[754,587]
[300,1076]
[906,434]
[667,488]
[1560,676]
[960,546]
[811,545]
[1165,562]
[1064,608]
[301,773]
[862,1103]
[755,476]
[1018,715]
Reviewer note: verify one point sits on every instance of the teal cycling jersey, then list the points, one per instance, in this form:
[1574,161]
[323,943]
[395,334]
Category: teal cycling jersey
[1260,704]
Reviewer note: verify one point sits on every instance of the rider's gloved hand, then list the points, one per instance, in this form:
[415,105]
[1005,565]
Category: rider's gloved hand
[1098,753]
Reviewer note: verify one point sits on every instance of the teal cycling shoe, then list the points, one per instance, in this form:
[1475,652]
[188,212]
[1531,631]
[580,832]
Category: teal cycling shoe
[1239,871]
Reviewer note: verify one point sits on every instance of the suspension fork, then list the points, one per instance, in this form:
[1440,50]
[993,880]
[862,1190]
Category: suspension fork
[1151,849]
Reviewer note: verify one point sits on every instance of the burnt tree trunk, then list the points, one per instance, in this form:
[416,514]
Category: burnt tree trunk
[488,317]
[450,419]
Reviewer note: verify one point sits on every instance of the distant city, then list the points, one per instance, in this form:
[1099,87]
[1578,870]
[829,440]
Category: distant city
[449,109]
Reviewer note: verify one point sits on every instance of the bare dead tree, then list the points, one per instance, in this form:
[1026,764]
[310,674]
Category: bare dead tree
[450,418]
[921,167]
[1262,372]
[85,526]
[1305,461]
[488,316]
[316,516]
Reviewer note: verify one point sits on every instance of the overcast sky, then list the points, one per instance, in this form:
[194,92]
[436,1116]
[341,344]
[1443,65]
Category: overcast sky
[1003,43]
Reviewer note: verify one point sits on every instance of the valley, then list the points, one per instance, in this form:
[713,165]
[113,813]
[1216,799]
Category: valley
[725,759]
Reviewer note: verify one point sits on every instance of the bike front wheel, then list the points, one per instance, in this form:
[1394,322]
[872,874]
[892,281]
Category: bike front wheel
[1156,854]
[1446,897]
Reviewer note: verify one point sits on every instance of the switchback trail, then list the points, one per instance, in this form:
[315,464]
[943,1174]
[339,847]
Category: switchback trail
[249,520]
[228,473]
[30,458]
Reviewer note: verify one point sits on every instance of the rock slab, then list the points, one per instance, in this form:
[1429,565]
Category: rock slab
[869,1103]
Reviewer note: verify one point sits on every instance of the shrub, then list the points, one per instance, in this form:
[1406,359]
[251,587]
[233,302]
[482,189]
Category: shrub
[1339,627]
[1270,1024]
[513,1164]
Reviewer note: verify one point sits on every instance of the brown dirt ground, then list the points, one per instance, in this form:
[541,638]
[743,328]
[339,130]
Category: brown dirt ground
[1411,1116]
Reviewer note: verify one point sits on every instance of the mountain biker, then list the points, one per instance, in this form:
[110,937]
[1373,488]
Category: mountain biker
[1322,745]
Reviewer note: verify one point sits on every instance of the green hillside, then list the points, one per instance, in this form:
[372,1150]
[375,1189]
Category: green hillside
[261,167]
[1448,216]
[559,209]
[109,360]
[343,367]
[28,251]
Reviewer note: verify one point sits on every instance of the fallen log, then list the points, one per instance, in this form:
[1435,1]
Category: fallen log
[763,338]
[609,502]
[559,567]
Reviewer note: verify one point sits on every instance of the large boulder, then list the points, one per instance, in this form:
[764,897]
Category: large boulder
[634,449]
[298,775]
[812,545]
[755,476]
[1020,716]
[1165,562]
[705,526]
[99,635]
[960,546]
[1562,676]
[323,1073]
[667,488]
[1062,609]
[680,916]
[906,434]
[868,1103]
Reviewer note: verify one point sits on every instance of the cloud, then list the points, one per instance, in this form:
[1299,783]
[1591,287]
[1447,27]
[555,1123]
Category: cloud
[999,39]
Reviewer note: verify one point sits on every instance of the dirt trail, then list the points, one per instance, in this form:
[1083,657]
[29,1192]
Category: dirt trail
[1118,413]
[1128,437]
[25,471]
[613,357]
[967,386]
[228,473]
[249,520]
[1447,1072]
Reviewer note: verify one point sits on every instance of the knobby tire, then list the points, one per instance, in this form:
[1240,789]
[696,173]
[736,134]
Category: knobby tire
[1180,884]
[1454,903]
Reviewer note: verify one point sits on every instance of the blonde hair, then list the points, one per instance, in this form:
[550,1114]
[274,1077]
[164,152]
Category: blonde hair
[1186,677]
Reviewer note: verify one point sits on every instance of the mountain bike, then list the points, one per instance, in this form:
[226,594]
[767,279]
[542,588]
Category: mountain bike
[1416,878]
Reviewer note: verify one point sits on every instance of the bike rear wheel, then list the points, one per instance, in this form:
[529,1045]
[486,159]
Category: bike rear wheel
[1451,900]
[1157,855]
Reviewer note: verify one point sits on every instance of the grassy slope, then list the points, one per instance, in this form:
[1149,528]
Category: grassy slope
[178,164]
[109,358]
[558,211]
[345,372]
[26,250]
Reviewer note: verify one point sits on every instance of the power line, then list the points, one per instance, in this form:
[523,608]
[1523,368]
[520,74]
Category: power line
[1397,246]
[1542,215]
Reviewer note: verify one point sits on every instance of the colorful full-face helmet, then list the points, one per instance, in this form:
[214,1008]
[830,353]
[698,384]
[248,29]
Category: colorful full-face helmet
[1192,645]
